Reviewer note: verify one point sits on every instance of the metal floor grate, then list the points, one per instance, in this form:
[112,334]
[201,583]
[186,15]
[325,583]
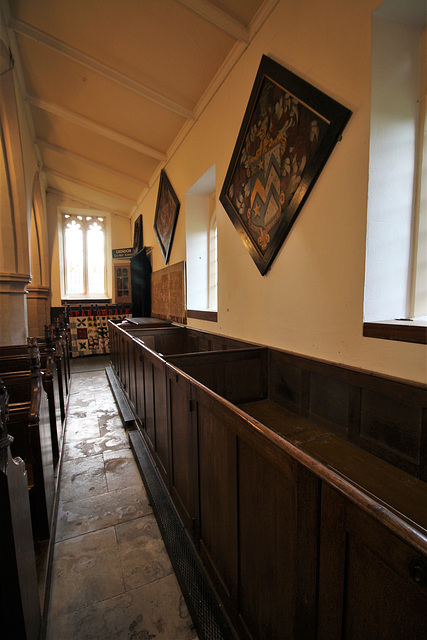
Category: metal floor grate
[206,613]
[123,405]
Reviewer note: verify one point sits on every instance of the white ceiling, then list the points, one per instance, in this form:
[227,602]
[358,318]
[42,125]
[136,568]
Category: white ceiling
[113,86]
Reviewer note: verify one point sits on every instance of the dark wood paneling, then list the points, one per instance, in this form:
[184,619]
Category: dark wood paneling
[302,533]
[392,427]
[329,400]
[161,419]
[203,369]
[370,580]
[239,376]
[174,341]
[140,386]
[331,564]
[267,547]
[245,377]
[218,498]
[132,393]
[423,445]
[211,316]
[285,382]
[183,482]
[19,597]
[404,331]
[149,426]
[381,415]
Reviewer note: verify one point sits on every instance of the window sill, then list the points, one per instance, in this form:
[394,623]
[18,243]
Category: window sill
[210,316]
[402,330]
[73,301]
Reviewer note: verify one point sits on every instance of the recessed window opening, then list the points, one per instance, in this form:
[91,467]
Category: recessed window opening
[201,243]
[213,254]
[419,274]
[396,246]
[84,256]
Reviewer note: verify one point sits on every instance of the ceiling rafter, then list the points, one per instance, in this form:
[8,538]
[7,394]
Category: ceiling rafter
[64,176]
[96,128]
[99,67]
[92,163]
[217,17]
[63,194]
[20,32]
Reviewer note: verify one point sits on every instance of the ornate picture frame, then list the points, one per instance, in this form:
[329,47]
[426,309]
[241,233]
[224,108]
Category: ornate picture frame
[288,132]
[167,209]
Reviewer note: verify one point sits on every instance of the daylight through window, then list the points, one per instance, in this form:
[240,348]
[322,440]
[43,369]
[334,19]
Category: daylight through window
[84,255]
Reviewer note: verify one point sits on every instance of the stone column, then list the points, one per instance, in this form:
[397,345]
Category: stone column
[13,308]
[38,309]
[14,218]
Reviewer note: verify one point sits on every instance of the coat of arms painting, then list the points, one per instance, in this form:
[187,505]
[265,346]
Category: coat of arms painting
[288,132]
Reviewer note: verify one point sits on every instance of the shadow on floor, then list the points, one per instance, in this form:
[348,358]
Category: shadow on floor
[89,363]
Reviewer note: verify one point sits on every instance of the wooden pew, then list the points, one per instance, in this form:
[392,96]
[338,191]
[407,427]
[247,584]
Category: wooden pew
[63,346]
[29,424]
[301,483]
[14,360]
[57,340]
[61,359]
[19,598]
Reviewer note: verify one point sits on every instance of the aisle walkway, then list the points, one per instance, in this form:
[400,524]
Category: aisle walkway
[111,578]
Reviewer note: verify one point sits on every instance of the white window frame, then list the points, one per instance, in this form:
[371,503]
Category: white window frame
[396,207]
[96,216]
[213,257]
[418,303]
[200,221]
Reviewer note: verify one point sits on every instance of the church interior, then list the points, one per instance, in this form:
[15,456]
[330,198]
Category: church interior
[213,319]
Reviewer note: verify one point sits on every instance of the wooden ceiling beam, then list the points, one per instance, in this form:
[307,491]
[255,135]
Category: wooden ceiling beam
[86,185]
[82,202]
[218,18]
[92,163]
[99,67]
[96,128]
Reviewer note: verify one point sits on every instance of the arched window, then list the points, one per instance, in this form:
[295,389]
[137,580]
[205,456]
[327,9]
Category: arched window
[84,256]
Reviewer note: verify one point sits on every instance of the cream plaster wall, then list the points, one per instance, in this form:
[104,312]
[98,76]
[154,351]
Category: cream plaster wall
[120,237]
[311,301]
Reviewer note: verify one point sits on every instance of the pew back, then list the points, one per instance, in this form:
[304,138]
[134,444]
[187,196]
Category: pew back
[300,531]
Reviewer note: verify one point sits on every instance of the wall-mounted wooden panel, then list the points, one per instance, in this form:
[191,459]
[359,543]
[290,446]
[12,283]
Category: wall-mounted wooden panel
[168,293]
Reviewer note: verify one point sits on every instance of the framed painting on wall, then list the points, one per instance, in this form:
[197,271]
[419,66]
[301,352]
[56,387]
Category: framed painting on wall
[288,132]
[166,216]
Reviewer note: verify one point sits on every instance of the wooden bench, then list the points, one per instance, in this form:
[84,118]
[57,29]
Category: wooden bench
[301,483]
[30,426]
[14,359]
[56,342]
[19,597]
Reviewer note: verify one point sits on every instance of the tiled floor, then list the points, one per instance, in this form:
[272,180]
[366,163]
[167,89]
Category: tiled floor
[112,578]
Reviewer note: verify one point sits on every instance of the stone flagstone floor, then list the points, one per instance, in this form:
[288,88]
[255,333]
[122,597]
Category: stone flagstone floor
[111,578]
